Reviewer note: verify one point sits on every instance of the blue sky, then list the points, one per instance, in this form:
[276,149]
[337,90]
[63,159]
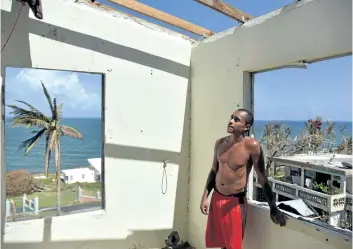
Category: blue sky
[324,89]
[81,93]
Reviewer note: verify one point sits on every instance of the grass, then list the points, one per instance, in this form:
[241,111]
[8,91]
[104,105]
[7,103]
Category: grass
[69,194]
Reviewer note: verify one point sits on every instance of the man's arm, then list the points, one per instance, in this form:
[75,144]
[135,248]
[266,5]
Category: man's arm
[259,166]
[211,179]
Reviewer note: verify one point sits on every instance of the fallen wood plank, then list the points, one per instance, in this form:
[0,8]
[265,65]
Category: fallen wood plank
[226,9]
[162,16]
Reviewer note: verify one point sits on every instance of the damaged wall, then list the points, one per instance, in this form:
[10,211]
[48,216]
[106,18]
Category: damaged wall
[306,30]
[146,71]
[147,114]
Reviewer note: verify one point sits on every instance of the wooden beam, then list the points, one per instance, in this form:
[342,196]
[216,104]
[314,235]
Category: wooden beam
[226,9]
[162,16]
[107,8]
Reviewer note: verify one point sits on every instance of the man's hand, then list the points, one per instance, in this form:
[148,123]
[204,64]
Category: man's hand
[277,217]
[204,206]
[258,160]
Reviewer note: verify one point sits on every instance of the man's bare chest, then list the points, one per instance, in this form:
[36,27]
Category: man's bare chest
[234,157]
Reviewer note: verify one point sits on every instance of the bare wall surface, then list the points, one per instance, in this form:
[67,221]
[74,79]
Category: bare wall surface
[262,233]
[220,83]
[307,30]
[147,114]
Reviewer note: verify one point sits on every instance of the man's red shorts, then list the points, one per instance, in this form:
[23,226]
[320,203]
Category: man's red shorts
[226,221]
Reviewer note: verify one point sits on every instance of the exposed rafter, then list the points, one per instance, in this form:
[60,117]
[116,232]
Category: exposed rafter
[162,16]
[226,9]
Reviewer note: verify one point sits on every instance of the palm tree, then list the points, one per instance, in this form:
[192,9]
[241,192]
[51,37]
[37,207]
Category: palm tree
[47,126]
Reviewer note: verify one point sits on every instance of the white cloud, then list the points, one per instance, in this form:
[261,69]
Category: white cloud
[65,85]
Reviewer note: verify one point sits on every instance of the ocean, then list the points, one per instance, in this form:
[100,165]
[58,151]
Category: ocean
[74,153]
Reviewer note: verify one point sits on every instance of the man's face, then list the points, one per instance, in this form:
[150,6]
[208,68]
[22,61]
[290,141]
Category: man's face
[237,122]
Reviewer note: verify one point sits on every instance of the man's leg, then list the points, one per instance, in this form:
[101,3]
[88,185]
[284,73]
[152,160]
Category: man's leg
[233,224]
[214,235]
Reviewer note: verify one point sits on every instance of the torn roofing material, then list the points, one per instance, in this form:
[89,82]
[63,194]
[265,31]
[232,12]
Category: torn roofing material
[298,207]
[325,163]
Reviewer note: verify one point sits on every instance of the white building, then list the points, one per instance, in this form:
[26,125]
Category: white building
[96,166]
[78,175]
[303,171]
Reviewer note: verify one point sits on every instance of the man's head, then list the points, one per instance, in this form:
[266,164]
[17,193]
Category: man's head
[240,121]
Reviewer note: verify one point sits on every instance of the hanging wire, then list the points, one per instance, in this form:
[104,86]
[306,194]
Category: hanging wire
[164,175]
[13,28]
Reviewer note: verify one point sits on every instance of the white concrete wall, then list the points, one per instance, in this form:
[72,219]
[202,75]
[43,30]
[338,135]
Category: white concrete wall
[146,73]
[287,35]
[262,233]
[306,30]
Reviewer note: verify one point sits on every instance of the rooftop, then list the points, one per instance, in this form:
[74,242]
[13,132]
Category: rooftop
[76,170]
[96,163]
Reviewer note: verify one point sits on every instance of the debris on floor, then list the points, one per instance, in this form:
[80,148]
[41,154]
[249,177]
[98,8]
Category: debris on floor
[173,241]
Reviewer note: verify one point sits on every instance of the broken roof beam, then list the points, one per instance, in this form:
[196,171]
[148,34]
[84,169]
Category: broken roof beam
[162,16]
[226,9]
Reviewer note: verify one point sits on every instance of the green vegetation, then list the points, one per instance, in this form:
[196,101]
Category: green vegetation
[47,198]
[277,141]
[321,187]
[46,126]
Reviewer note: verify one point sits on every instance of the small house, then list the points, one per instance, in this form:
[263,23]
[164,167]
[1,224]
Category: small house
[78,175]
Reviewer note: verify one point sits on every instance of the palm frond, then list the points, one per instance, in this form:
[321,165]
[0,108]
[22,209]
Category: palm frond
[55,115]
[71,132]
[59,110]
[29,122]
[31,107]
[21,112]
[29,143]
[47,95]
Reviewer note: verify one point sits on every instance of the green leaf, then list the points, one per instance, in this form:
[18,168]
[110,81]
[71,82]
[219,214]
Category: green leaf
[29,143]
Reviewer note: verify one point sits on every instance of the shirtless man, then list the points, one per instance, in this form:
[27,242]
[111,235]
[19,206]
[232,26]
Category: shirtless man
[233,159]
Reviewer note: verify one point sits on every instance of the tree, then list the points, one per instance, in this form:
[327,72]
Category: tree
[315,136]
[48,126]
[276,142]
[346,144]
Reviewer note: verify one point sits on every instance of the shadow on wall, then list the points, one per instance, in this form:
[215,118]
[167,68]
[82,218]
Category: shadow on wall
[19,42]
[129,242]
[153,238]
[139,238]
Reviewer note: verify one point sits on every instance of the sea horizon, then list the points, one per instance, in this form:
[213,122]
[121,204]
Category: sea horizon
[74,153]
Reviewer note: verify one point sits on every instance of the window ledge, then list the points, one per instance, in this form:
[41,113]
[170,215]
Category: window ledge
[296,220]
[97,214]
